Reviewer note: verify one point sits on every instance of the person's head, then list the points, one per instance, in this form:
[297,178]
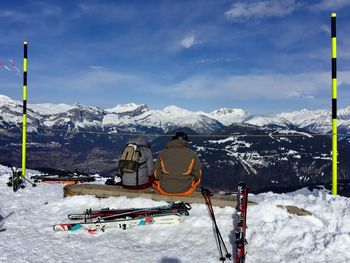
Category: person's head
[180,135]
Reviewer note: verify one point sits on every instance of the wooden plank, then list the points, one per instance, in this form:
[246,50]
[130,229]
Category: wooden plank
[103,191]
[100,190]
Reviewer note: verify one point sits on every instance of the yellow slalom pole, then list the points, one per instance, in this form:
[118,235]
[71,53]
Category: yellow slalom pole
[334,107]
[24,117]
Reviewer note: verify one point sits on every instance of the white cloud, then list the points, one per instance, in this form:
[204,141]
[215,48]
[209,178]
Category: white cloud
[42,9]
[256,86]
[261,9]
[330,5]
[109,12]
[249,87]
[96,68]
[13,15]
[91,80]
[48,10]
[213,60]
[188,41]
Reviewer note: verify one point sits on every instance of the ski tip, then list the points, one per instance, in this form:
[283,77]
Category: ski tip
[92,231]
[66,227]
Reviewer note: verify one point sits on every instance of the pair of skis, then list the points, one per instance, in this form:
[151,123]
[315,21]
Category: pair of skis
[241,208]
[107,213]
[68,178]
[99,220]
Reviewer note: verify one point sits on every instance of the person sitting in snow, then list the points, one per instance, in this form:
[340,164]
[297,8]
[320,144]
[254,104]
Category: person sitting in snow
[135,164]
[178,169]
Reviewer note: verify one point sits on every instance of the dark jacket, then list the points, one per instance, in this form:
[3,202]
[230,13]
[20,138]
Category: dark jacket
[145,170]
[178,169]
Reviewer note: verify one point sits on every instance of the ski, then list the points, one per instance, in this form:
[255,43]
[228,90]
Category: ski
[242,201]
[62,178]
[102,225]
[181,208]
[140,214]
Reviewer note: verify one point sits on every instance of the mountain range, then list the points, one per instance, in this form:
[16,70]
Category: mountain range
[134,115]
[273,151]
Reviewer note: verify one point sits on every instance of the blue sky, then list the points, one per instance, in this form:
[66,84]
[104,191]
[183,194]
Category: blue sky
[261,56]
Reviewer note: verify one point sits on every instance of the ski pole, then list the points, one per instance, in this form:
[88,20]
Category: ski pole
[222,258]
[228,255]
[206,194]
[33,184]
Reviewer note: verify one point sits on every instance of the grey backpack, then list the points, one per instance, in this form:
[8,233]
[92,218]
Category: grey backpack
[129,159]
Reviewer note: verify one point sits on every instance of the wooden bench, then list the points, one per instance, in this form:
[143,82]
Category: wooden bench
[103,191]
[100,190]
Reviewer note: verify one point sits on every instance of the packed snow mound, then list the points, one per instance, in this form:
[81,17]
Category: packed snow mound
[281,237]
[273,234]
[32,212]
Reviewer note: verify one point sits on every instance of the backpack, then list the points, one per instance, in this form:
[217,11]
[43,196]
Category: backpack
[129,159]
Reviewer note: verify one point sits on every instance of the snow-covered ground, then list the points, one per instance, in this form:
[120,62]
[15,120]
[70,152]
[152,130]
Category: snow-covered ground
[273,235]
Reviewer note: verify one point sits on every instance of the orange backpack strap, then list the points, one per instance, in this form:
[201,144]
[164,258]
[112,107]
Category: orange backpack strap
[163,166]
[156,186]
[190,167]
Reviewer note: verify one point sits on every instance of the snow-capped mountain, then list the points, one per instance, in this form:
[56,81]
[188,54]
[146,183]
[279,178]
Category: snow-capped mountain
[122,108]
[76,117]
[125,116]
[50,108]
[229,116]
[167,119]
[268,151]
[133,116]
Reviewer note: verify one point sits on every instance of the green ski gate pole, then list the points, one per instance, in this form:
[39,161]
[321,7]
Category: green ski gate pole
[334,107]
[24,117]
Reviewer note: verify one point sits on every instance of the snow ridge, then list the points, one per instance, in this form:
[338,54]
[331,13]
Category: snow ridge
[133,115]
